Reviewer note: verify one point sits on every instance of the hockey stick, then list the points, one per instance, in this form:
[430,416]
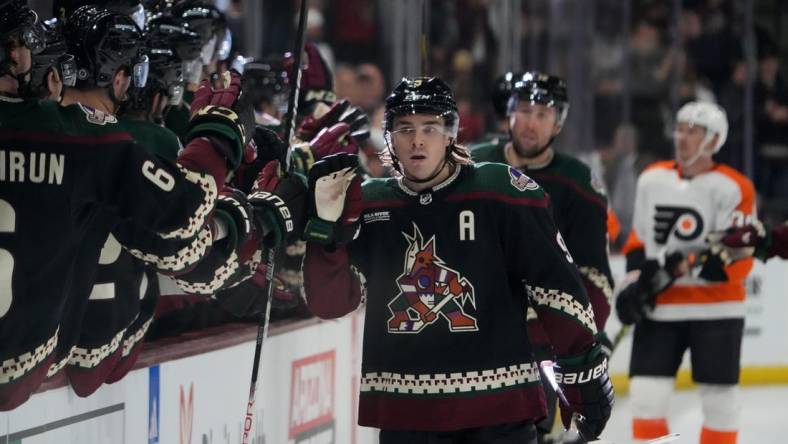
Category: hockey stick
[262,326]
[579,420]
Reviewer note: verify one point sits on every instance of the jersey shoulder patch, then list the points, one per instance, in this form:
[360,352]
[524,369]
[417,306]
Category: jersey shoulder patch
[521,181]
[97,117]
[504,179]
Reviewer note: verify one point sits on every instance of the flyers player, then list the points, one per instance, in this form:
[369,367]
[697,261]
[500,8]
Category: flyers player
[678,204]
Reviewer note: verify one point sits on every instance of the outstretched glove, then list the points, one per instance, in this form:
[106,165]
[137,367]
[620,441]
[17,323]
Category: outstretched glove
[224,113]
[334,200]
[268,147]
[588,390]
[328,141]
[340,112]
[278,203]
[741,242]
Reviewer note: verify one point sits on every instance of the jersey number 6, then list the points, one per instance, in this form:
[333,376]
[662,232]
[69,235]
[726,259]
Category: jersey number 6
[158,176]
[7,225]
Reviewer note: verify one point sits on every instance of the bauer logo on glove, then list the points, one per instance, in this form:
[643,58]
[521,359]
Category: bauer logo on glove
[279,204]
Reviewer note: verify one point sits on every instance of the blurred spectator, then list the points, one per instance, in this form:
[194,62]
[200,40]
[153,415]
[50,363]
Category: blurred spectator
[352,28]
[371,87]
[650,65]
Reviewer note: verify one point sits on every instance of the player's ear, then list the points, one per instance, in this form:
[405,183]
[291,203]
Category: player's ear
[54,85]
[120,83]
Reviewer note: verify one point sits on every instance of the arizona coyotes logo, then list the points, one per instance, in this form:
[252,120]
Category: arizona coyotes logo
[685,223]
[429,290]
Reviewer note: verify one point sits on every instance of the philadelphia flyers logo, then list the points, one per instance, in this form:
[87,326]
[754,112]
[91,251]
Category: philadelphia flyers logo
[683,222]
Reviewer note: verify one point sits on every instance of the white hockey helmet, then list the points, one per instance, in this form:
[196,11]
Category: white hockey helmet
[708,115]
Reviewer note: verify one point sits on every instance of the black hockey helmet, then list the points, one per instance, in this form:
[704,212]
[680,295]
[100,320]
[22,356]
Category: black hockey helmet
[208,21]
[184,42]
[422,95]
[163,40]
[18,25]
[103,42]
[543,89]
[201,17]
[266,78]
[54,57]
[134,9]
[502,91]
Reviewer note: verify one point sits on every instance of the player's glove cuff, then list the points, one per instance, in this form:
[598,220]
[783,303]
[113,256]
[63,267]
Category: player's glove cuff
[218,121]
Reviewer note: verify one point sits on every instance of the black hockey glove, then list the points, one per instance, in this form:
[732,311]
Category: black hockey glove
[588,390]
[334,200]
[712,266]
[225,113]
[235,211]
[279,205]
[638,298]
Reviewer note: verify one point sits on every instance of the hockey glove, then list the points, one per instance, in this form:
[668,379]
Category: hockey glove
[268,147]
[234,210]
[278,204]
[333,140]
[224,113]
[335,200]
[741,242]
[588,390]
[639,295]
[340,112]
[712,266]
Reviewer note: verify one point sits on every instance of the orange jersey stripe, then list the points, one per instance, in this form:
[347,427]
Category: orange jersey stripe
[707,294]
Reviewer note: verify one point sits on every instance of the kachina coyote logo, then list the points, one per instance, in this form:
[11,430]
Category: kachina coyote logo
[429,290]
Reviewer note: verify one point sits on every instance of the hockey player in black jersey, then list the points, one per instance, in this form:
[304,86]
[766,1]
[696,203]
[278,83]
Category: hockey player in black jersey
[66,172]
[537,111]
[123,297]
[448,256]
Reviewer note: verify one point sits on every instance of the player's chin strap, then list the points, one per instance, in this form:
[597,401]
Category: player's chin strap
[698,155]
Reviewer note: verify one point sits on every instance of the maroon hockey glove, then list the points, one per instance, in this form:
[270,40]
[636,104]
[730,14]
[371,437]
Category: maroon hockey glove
[741,242]
[329,141]
[278,203]
[223,113]
[588,390]
[268,147]
[340,112]
[334,200]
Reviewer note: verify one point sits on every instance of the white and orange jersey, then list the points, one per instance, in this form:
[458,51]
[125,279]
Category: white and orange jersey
[673,213]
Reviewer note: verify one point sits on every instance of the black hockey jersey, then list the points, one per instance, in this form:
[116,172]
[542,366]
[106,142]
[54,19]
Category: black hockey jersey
[448,274]
[580,211]
[101,345]
[60,167]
